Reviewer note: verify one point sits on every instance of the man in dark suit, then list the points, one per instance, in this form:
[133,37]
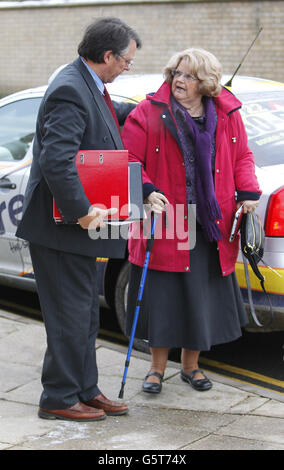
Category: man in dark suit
[75,113]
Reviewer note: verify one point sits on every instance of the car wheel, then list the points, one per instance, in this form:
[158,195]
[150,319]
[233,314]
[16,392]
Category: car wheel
[121,291]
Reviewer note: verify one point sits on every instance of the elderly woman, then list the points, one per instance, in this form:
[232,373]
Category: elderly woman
[191,142]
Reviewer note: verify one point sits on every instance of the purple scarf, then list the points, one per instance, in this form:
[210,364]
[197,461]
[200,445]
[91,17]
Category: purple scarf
[207,204]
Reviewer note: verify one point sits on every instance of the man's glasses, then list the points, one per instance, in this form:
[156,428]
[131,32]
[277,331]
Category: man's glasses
[178,74]
[129,63]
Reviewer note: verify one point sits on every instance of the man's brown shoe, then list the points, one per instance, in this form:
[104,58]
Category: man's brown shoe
[111,408]
[78,412]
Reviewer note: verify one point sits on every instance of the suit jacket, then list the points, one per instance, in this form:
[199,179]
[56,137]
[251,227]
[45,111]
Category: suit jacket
[73,115]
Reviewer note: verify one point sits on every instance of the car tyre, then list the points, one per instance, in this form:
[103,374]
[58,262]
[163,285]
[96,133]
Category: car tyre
[121,291]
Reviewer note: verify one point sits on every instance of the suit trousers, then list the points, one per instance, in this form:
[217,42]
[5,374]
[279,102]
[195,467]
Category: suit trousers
[68,294]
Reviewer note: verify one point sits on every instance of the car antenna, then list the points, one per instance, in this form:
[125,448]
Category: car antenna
[229,83]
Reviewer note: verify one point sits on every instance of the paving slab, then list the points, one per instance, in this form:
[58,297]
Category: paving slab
[214,442]
[271,408]
[26,345]
[220,399]
[252,403]
[13,375]
[112,362]
[262,428]
[27,393]
[142,429]
[19,422]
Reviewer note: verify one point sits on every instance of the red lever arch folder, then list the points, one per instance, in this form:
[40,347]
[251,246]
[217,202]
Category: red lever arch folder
[104,176]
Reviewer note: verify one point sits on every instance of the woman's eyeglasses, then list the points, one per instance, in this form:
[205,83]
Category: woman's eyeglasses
[178,74]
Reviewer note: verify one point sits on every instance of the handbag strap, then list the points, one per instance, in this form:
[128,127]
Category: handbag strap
[252,309]
[250,299]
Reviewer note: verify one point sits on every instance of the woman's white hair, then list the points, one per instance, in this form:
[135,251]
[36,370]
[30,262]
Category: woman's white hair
[203,65]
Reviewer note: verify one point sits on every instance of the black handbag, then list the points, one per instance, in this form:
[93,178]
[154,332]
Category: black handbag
[252,247]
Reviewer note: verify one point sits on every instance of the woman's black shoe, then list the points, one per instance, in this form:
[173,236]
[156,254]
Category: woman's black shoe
[199,384]
[152,387]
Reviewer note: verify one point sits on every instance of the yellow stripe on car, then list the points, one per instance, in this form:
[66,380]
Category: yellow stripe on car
[274,284]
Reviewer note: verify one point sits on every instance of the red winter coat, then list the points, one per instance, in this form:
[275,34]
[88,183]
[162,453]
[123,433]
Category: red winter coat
[150,135]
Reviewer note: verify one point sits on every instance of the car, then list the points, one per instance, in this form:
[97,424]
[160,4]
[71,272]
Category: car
[263,115]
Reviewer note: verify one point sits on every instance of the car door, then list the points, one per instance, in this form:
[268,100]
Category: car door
[17,128]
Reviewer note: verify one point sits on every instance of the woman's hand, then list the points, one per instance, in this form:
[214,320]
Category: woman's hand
[157,202]
[249,206]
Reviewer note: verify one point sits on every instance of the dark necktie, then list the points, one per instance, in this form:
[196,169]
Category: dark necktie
[111,108]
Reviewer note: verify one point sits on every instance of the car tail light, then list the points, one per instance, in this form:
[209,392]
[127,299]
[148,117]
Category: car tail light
[274,223]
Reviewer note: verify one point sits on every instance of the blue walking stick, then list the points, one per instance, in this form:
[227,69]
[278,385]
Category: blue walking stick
[149,246]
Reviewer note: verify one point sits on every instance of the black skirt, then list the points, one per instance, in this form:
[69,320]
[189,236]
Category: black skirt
[192,310]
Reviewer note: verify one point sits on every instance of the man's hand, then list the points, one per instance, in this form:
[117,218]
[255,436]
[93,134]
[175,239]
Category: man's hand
[95,218]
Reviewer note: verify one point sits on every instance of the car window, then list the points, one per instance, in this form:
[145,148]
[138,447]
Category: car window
[263,117]
[17,128]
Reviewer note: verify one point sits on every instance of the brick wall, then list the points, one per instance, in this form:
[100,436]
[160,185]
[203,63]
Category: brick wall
[36,40]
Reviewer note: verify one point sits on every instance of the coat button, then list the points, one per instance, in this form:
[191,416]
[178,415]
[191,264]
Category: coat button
[186,268]
[164,116]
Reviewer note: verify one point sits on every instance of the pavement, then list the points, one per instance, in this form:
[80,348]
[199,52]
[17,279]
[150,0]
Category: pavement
[232,415]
